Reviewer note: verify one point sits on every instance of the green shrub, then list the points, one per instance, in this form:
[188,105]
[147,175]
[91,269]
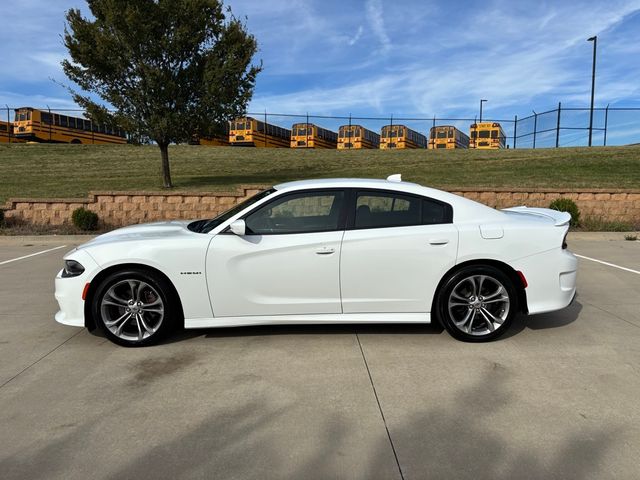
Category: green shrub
[567,205]
[84,219]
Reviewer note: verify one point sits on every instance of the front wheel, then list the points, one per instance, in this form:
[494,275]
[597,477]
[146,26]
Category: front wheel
[134,308]
[477,303]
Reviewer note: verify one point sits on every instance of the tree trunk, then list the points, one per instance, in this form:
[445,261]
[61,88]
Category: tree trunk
[166,169]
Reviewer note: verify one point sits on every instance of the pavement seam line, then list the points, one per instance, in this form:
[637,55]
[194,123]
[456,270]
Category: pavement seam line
[608,264]
[384,420]
[32,255]
[612,314]
[41,358]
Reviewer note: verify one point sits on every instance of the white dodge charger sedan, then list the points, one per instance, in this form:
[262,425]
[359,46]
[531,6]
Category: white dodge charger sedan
[324,251]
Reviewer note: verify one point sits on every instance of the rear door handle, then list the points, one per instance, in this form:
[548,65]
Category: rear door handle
[438,241]
[325,251]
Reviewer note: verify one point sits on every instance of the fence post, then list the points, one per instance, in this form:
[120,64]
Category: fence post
[9,124]
[515,130]
[606,120]
[349,136]
[265,127]
[535,128]
[475,130]
[558,126]
[306,129]
[431,141]
[50,122]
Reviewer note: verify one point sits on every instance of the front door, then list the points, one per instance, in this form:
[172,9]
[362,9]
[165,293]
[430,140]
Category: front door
[287,263]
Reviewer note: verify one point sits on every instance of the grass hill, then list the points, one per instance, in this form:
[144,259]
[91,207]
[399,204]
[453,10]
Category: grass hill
[44,170]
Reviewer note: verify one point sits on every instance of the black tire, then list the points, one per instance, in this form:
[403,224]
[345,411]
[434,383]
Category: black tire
[159,294]
[453,308]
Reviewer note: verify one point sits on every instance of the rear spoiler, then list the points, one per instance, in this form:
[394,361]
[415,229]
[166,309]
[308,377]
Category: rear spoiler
[559,218]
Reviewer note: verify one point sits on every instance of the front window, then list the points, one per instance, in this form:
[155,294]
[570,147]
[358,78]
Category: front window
[484,134]
[494,134]
[442,134]
[205,226]
[316,211]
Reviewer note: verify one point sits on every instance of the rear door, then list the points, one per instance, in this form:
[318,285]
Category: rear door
[395,250]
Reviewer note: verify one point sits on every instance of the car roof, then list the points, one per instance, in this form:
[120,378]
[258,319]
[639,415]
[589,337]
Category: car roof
[464,209]
[345,183]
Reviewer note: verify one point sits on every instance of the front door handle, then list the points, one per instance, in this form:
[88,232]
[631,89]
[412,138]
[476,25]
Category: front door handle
[438,241]
[325,251]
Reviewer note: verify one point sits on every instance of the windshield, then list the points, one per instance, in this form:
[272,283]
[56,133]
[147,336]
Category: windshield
[205,226]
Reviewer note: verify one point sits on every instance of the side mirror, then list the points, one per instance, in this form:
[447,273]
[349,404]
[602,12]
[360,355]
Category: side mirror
[238,227]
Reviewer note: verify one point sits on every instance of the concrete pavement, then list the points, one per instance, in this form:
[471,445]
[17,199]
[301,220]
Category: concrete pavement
[555,398]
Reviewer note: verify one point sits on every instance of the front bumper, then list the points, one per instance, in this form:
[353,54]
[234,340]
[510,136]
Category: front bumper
[69,290]
[552,279]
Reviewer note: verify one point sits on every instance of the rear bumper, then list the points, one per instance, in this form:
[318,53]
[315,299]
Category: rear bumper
[552,280]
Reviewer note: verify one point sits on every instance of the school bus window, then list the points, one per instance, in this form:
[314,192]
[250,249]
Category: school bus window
[484,133]
[442,134]
[494,134]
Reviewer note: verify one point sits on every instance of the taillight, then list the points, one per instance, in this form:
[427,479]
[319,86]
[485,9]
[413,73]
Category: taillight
[522,279]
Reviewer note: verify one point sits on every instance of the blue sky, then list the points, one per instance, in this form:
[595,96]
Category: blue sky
[375,58]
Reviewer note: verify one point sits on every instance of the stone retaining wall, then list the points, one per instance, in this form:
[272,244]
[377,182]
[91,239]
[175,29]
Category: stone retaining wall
[125,208]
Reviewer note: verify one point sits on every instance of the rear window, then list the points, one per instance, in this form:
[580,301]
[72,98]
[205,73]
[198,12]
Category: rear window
[388,209]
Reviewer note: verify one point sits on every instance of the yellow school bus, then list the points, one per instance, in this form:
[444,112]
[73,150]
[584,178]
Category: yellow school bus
[33,125]
[249,132]
[308,135]
[7,135]
[399,136]
[356,136]
[488,135]
[447,136]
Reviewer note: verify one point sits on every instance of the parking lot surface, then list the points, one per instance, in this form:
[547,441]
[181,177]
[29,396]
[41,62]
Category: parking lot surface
[557,397]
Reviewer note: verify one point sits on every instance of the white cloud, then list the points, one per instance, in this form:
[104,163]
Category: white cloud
[375,16]
[353,40]
[513,58]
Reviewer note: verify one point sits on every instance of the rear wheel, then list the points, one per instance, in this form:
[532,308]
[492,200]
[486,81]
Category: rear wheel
[477,303]
[135,308]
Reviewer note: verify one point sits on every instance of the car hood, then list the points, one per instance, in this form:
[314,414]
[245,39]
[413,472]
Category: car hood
[145,231]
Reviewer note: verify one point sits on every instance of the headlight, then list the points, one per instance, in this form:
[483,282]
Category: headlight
[72,269]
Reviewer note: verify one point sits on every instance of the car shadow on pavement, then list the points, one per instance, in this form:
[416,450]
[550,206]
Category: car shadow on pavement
[331,329]
[543,321]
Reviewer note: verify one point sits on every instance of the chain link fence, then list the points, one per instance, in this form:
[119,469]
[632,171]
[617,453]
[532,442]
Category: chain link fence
[559,127]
